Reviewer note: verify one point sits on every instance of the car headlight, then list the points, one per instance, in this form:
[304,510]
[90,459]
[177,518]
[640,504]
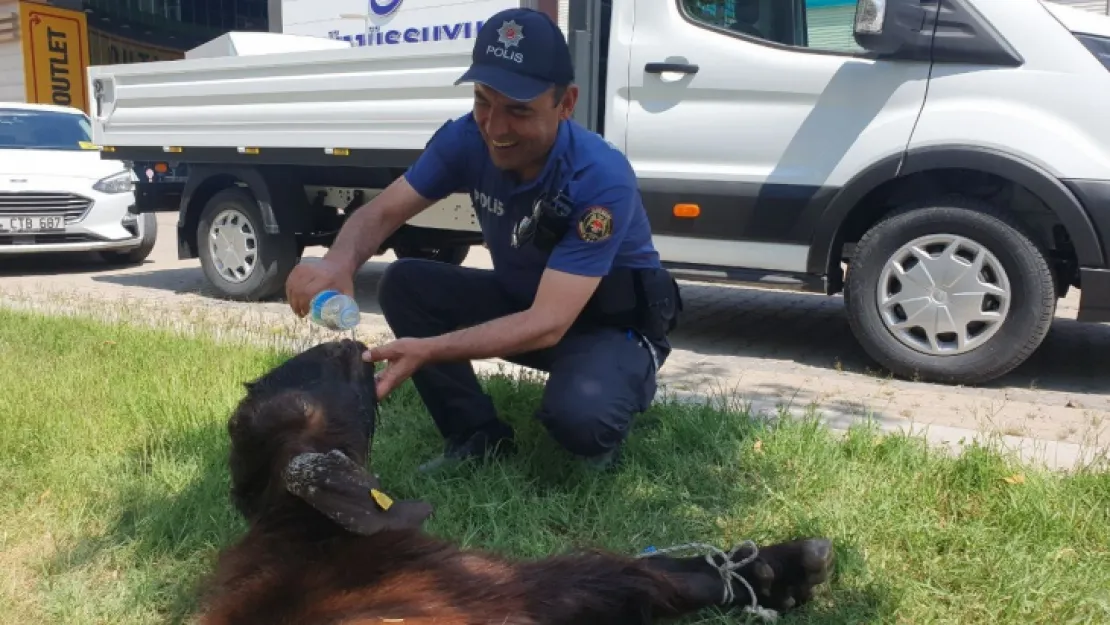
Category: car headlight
[1099,46]
[116,183]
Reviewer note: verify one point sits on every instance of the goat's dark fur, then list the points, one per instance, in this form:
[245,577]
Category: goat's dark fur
[320,551]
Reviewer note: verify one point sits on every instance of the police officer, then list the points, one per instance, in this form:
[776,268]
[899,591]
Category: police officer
[576,288]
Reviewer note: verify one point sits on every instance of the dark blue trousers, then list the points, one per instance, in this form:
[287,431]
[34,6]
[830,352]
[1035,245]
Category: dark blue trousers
[599,378]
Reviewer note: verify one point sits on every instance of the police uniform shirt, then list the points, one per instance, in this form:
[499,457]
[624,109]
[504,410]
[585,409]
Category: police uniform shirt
[608,226]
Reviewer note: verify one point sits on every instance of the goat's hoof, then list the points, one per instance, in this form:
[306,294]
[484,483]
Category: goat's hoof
[784,575]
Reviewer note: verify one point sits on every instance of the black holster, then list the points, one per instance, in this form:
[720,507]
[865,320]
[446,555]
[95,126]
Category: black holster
[552,220]
[648,301]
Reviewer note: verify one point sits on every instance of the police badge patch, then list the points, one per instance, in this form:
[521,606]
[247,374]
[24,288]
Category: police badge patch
[510,34]
[596,225]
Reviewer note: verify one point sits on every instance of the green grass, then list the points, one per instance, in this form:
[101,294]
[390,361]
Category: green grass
[112,451]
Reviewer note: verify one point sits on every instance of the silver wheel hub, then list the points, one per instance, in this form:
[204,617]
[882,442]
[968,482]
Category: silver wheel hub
[943,294]
[233,244]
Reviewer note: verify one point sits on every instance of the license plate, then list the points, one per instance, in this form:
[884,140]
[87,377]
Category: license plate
[33,223]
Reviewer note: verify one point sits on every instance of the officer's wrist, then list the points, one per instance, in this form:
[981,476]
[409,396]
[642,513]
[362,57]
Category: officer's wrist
[341,260]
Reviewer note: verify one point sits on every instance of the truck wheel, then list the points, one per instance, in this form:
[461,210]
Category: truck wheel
[454,255]
[949,291]
[148,231]
[238,256]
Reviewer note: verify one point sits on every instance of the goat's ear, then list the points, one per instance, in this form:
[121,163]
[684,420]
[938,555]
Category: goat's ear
[345,493]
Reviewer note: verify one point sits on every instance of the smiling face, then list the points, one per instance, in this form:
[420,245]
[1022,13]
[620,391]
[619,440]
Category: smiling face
[519,135]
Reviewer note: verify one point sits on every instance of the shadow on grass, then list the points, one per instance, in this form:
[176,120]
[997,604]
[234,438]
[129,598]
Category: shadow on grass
[688,475]
[168,534]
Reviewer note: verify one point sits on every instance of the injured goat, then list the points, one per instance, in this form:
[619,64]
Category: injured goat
[325,544]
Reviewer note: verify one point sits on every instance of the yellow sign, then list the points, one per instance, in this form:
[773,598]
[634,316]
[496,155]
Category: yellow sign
[55,55]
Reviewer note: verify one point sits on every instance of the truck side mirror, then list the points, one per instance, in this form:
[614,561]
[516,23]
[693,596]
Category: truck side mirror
[893,28]
[870,27]
[870,15]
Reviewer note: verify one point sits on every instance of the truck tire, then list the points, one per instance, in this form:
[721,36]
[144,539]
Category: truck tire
[454,255]
[148,230]
[239,258]
[950,291]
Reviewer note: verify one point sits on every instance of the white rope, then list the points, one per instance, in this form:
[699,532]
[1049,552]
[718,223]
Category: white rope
[728,571]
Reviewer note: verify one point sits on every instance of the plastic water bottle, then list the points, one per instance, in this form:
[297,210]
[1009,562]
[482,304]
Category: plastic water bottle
[334,310]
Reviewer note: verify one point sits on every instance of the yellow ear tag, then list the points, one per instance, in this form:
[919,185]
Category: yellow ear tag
[382,499]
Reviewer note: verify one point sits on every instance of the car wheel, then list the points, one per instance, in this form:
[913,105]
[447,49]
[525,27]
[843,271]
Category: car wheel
[949,291]
[454,255]
[239,258]
[148,232]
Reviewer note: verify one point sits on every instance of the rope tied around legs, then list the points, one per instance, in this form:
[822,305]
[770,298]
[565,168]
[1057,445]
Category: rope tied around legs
[728,571]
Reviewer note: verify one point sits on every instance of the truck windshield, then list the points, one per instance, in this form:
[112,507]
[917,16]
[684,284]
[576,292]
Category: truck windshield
[43,130]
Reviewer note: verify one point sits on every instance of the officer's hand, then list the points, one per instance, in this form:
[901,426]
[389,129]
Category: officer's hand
[403,357]
[309,278]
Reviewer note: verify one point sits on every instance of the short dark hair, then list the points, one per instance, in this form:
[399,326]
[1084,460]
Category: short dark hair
[560,91]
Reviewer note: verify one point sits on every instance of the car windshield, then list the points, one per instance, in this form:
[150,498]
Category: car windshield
[44,130]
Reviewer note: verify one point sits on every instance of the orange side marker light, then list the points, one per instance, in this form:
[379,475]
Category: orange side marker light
[687,211]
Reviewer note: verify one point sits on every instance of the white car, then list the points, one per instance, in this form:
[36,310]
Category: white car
[58,195]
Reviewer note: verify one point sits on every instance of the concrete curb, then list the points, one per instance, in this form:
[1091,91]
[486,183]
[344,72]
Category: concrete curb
[1053,455]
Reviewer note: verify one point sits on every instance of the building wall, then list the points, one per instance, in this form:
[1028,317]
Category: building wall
[133,31]
[11,54]
[273,15]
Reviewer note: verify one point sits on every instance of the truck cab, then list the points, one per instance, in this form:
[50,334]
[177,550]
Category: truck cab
[942,164]
[944,168]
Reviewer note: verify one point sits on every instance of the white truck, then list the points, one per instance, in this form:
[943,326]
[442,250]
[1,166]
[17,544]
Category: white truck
[945,164]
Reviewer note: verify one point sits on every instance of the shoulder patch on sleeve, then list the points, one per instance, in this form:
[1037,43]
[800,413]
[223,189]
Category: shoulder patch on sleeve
[595,225]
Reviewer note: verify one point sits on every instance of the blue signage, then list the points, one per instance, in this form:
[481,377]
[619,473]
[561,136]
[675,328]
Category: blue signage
[384,9]
[414,34]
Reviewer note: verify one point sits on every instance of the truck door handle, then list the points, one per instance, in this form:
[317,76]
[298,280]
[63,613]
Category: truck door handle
[682,68]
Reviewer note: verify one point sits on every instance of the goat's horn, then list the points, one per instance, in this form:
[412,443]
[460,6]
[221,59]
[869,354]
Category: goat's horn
[307,471]
[347,494]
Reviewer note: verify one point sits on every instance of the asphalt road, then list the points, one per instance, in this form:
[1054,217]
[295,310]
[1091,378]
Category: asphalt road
[769,348]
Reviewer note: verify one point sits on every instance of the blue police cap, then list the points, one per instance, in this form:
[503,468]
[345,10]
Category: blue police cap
[520,53]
